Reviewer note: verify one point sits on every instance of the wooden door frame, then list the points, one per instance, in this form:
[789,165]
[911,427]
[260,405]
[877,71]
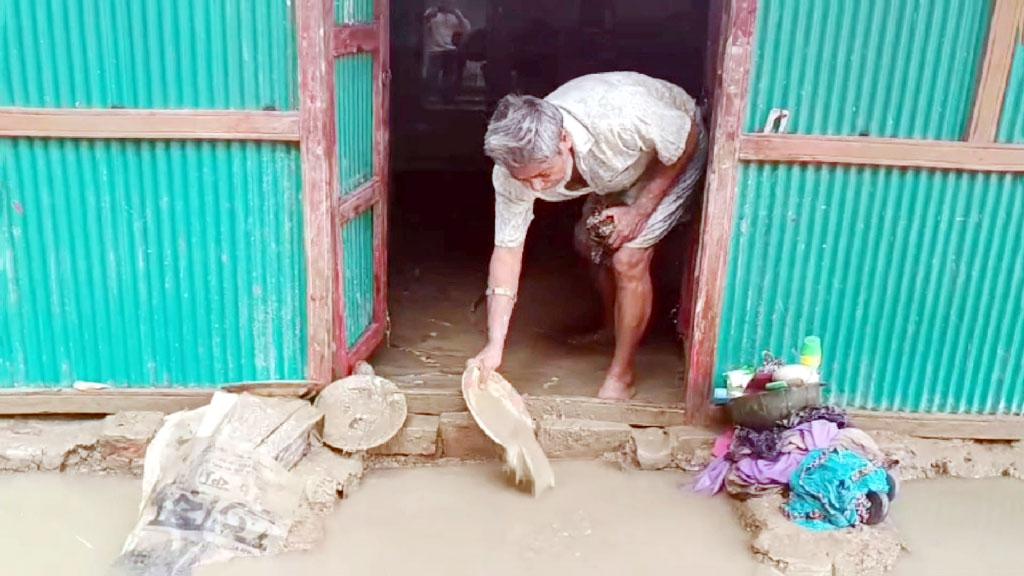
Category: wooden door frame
[321,42]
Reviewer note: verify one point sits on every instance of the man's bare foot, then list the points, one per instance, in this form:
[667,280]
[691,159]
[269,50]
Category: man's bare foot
[601,337]
[617,389]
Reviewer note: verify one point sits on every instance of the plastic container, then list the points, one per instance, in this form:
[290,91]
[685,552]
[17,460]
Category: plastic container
[810,352]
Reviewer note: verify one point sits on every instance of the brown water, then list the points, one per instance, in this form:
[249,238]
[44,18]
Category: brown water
[961,527]
[464,520]
[52,524]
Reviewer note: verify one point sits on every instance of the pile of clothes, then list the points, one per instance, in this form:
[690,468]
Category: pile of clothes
[834,473]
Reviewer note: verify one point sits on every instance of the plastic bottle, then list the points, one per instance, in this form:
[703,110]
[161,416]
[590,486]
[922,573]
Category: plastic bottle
[810,352]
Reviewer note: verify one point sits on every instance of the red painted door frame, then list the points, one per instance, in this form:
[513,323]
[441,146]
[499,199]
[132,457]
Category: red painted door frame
[321,42]
[701,307]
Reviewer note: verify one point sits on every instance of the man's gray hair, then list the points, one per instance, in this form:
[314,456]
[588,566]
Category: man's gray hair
[522,131]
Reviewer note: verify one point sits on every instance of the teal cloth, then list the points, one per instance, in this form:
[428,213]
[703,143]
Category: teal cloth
[829,489]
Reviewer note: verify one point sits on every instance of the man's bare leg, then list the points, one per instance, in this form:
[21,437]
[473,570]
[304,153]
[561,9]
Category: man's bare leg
[633,300]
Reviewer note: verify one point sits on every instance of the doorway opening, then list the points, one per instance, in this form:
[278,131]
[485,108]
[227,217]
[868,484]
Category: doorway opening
[442,201]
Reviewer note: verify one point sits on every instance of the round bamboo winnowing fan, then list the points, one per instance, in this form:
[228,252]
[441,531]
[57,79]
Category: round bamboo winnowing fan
[501,413]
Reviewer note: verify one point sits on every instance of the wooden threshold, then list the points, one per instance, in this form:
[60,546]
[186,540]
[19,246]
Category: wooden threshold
[69,402]
[17,402]
[441,400]
[969,156]
[149,124]
[420,401]
[945,426]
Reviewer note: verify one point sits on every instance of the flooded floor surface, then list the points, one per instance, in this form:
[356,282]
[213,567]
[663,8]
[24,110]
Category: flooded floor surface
[961,527]
[464,521]
[53,524]
[458,521]
[434,333]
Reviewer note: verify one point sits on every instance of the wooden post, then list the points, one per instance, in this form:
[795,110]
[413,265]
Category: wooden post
[1003,33]
[317,140]
[719,206]
[382,163]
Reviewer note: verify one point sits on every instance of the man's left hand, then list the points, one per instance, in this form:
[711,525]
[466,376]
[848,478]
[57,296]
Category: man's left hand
[628,224]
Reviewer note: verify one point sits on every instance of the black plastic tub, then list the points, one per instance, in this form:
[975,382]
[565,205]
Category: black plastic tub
[762,410]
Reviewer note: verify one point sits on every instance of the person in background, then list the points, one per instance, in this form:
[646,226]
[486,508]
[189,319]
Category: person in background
[636,146]
[444,27]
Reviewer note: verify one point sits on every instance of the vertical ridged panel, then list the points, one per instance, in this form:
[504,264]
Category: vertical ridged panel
[151,263]
[353,11]
[354,86]
[914,280]
[1011,124]
[224,54]
[357,240]
[882,68]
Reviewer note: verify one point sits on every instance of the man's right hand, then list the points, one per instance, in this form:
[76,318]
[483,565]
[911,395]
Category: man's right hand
[488,360]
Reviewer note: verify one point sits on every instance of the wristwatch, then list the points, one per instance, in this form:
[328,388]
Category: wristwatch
[499,291]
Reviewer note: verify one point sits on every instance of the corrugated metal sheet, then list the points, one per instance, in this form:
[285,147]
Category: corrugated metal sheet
[150,263]
[1011,124]
[913,279]
[357,243]
[237,54]
[353,11]
[354,86]
[880,68]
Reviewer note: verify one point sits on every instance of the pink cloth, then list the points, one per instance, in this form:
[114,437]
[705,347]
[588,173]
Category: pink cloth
[723,442]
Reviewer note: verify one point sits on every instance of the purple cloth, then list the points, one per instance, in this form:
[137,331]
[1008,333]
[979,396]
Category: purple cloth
[760,471]
[712,478]
[795,445]
[815,435]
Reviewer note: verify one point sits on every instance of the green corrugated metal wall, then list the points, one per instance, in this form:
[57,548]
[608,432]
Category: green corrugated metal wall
[357,239]
[355,123]
[151,263]
[913,279]
[353,11]
[882,68]
[1011,124]
[149,54]
[354,88]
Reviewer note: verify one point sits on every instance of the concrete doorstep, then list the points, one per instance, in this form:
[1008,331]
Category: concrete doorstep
[116,444]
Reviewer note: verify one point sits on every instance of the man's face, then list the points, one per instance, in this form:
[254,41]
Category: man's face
[547,174]
[447,6]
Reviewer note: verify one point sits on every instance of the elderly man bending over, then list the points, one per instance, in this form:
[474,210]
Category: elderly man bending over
[627,141]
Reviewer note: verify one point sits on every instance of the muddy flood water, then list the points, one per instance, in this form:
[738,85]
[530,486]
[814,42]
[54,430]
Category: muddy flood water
[463,520]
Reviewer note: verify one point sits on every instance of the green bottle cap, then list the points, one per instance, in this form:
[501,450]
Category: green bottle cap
[811,347]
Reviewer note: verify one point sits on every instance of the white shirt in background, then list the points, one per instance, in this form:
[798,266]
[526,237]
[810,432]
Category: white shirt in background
[440,28]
